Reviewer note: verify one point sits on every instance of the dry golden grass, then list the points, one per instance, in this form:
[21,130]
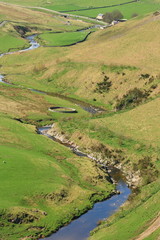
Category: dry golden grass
[17,102]
[17,13]
[134,43]
[25,15]
[140,124]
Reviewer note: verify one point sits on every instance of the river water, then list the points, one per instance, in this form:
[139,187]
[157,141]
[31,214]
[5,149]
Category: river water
[80,228]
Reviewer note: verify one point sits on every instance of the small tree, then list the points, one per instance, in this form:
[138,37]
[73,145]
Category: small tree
[116,14]
[107,17]
[110,16]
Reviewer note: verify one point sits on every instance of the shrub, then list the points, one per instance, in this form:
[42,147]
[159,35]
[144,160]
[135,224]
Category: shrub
[147,169]
[144,76]
[134,15]
[39,68]
[117,15]
[133,98]
[107,17]
[103,86]
[110,16]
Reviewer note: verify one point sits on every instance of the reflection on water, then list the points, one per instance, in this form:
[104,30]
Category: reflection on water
[80,228]
[33,45]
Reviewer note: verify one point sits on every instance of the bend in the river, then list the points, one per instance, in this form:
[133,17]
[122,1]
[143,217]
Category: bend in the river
[80,228]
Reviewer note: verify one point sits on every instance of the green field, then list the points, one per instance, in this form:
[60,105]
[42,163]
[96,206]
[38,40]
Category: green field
[11,43]
[34,167]
[140,8]
[63,39]
[69,4]
[77,5]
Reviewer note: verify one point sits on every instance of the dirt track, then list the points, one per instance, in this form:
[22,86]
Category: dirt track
[154,226]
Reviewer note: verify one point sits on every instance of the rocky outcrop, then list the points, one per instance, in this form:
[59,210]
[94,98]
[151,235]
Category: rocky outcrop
[103,156]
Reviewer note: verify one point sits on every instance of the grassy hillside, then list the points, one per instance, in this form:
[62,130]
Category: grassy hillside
[17,22]
[123,53]
[43,184]
[36,172]
[132,220]
[92,8]
[38,20]
[139,8]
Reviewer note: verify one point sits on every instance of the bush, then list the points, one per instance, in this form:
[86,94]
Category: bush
[147,169]
[107,17]
[134,15]
[110,16]
[103,86]
[133,98]
[144,76]
[117,15]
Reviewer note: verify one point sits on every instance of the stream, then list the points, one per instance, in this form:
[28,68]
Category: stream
[80,228]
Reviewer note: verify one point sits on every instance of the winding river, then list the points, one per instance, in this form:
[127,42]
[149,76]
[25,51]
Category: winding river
[80,228]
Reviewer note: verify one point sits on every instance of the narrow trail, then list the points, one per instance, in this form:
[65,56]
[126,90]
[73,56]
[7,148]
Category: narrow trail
[154,226]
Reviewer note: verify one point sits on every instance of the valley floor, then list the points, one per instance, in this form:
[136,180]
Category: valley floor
[44,185]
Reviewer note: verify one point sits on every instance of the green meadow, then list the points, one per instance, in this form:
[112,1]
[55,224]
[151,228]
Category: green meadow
[10,42]
[140,8]
[36,171]
[63,39]
[77,5]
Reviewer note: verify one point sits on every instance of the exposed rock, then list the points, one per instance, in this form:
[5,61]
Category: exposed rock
[104,157]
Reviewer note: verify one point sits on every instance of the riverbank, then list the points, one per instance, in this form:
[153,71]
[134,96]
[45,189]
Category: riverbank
[94,183]
[52,184]
[113,159]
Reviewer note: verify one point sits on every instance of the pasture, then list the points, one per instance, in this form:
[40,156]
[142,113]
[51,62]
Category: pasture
[63,39]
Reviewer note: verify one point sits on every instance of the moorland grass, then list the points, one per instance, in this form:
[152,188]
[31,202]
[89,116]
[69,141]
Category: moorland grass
[75,71]
[79,70]
[39,21]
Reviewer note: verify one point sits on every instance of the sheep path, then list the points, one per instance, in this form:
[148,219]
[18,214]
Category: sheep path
[154,226]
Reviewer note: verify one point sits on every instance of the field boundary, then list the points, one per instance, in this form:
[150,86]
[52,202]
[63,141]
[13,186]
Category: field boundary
[108,6]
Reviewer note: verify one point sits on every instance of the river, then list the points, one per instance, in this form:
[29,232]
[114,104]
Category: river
[80,228]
